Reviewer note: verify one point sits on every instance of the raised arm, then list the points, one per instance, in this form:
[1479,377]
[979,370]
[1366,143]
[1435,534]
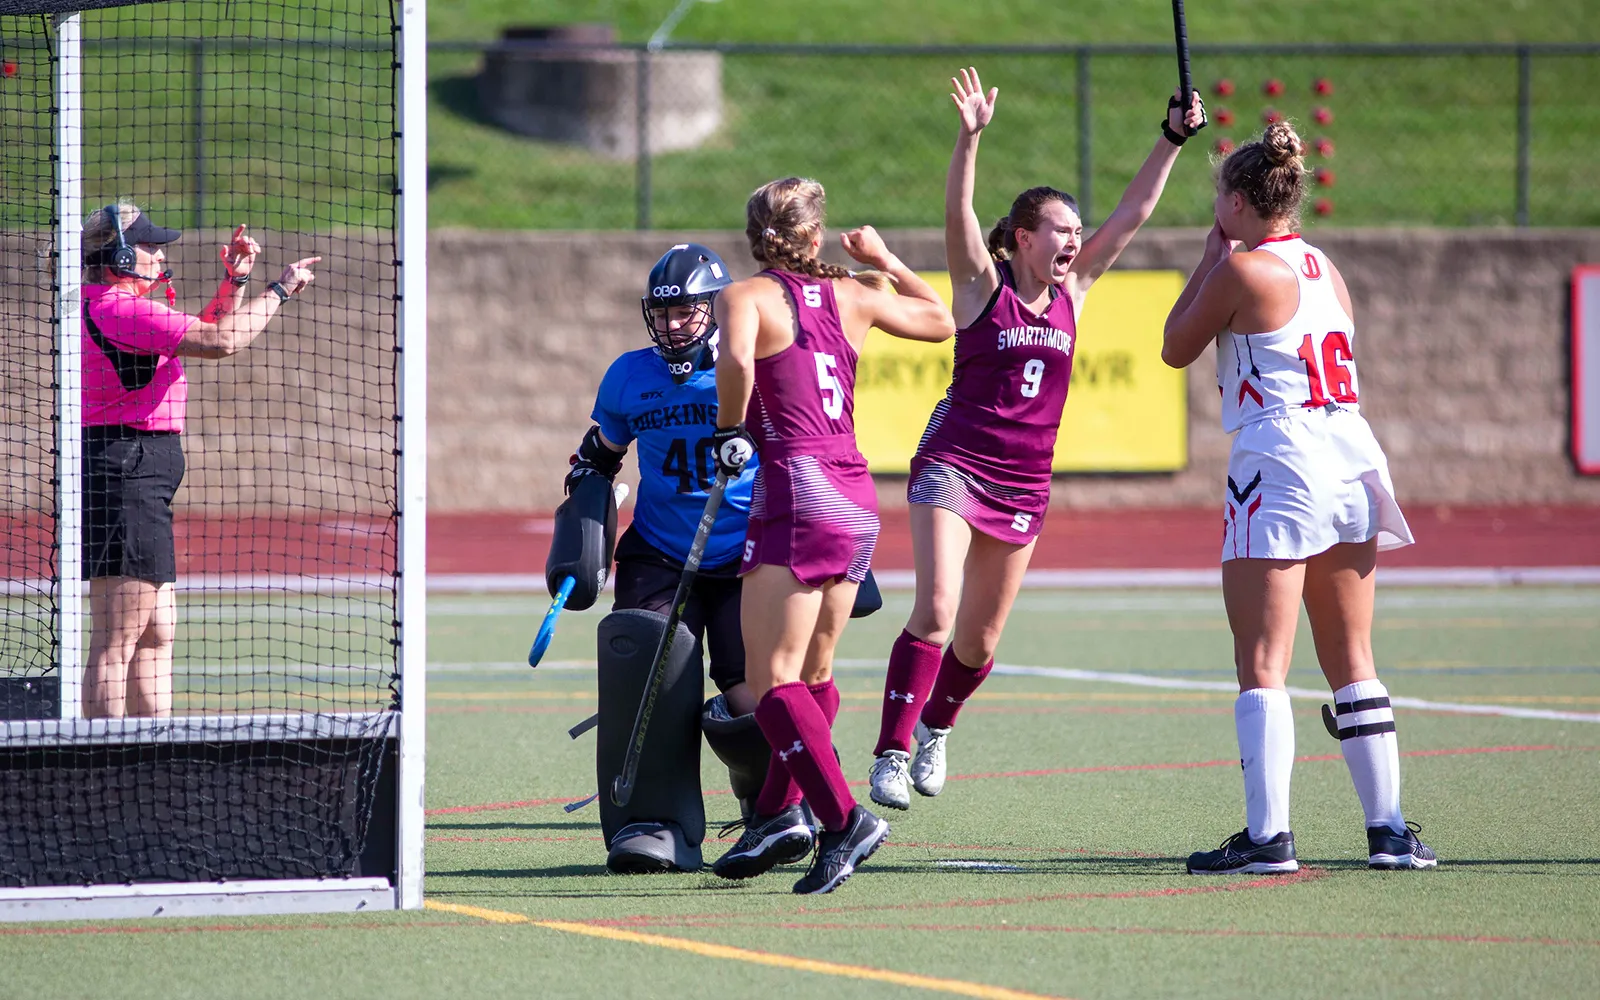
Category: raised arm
[1138,202]
[230,322]
[917,313]
[972,275]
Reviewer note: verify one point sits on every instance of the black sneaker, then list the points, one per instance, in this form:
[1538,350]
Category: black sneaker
[838,854]
[767,841]
[1241,854]
[1393,849]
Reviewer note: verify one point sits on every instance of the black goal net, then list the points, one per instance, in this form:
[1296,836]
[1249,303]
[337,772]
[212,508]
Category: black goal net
[200,630]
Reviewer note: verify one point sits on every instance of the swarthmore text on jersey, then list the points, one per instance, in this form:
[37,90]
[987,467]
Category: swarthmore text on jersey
[676,415]
[1036,336]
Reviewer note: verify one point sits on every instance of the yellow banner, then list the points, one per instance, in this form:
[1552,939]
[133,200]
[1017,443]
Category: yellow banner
[1126,411]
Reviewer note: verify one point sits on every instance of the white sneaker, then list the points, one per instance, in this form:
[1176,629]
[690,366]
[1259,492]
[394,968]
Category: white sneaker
[927,768]
[891,783]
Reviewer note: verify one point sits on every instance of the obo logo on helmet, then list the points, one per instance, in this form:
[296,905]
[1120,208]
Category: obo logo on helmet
[686,275]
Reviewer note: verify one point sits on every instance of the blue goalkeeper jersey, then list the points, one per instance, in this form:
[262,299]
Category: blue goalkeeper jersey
[672,425]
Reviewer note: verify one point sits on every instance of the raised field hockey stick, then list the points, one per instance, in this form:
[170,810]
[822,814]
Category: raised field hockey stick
[622,785]
[1180,30]
[547,628]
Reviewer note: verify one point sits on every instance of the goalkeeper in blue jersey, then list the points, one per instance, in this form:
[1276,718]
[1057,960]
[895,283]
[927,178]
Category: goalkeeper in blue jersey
[664,399]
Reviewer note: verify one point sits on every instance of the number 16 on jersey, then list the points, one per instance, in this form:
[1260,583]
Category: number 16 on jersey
[1335,382]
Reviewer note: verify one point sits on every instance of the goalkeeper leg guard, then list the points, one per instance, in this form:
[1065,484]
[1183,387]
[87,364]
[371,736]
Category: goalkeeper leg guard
[667,791]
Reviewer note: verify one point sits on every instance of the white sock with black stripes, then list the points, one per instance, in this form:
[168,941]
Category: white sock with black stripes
[1264,721]
[1371,751]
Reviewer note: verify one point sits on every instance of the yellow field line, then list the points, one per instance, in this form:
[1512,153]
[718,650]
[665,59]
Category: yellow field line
[860,696]
[958,987]
[437,695]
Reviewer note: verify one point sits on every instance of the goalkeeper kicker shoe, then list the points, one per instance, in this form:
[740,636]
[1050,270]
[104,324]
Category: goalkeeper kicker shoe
[927,767]
[646,848]
[839,853]
[1241,854]
[767,841]
[891,779]
[1396,849]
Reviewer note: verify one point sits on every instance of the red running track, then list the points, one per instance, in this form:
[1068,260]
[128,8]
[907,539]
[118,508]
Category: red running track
[1180,538]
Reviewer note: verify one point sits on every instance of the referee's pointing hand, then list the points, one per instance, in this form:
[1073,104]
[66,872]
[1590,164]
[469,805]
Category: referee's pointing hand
[298,275]
[239,256]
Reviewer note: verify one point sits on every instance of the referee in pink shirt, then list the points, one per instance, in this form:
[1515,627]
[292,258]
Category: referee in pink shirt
[134,400]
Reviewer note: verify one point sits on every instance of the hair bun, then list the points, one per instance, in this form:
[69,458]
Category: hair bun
[1283,145]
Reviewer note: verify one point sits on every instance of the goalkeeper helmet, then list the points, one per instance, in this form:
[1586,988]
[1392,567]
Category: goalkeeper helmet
[677,305]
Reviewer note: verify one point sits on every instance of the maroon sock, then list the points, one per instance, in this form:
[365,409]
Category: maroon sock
[779,791]
[913,663]
[956,683]
[801,740]
[827,698]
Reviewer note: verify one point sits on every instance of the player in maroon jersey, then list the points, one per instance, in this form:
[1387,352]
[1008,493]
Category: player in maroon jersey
[980,481]
[786,365]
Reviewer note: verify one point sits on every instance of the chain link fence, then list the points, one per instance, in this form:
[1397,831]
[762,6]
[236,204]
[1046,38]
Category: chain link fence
[529,134]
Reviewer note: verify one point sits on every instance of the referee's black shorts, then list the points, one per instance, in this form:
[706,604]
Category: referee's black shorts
[129,479]
[647,578]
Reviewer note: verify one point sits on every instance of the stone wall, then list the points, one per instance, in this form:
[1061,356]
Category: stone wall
[1462,342]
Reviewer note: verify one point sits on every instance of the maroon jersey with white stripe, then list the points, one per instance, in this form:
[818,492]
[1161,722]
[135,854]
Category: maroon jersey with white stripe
[1000,416]
[806,390]
[813,508]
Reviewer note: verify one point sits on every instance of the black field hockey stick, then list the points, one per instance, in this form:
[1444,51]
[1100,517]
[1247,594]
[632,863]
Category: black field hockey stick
[1330,722]
[622,784]
[1180,30]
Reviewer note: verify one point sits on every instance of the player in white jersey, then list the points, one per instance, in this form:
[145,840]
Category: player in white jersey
[1309,501]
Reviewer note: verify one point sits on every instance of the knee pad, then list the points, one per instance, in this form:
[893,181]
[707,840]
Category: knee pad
[868,598]
[738,743]
[667,789]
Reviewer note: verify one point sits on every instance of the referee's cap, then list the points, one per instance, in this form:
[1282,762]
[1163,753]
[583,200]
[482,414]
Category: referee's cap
[142,230]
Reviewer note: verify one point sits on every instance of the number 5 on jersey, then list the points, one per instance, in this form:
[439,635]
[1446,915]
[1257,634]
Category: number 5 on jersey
[828,382]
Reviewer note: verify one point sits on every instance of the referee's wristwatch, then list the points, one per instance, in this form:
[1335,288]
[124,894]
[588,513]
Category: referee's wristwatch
[239,280]
[276,287]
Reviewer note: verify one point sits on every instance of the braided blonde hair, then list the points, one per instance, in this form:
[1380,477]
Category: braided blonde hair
[783,218]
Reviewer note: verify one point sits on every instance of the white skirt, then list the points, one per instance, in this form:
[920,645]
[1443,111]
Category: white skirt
[1302,483]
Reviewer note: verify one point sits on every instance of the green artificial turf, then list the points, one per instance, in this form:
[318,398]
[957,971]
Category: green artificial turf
[1089,793]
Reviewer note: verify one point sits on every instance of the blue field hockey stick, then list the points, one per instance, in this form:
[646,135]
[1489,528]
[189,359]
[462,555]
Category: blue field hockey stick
[547,629]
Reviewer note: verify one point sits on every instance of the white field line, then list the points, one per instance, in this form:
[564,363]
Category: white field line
[1147,680]
[1110,677]
[1093,579]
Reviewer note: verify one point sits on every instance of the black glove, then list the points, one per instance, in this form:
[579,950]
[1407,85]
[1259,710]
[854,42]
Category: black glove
[733,447]
[1174,137]
[592,458]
